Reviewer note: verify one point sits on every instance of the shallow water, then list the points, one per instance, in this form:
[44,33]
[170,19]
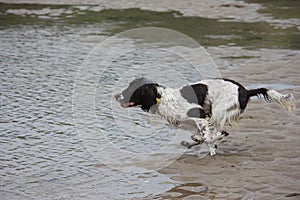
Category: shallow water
[42,155]
[42,49]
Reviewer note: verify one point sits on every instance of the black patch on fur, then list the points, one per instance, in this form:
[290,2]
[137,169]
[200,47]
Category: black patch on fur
[243,96]
[196,112]
[195,93]
[145,96]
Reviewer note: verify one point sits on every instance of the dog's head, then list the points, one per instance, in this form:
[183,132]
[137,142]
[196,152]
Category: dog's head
[140,92]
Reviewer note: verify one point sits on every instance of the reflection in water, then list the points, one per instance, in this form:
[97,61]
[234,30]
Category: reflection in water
[192,190]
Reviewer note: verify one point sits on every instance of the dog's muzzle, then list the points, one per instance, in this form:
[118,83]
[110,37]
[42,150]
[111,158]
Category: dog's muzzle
[119,97]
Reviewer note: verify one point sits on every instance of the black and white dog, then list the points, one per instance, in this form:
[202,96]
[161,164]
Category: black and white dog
[204,107]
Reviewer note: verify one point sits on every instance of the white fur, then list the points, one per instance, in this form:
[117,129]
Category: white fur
[223,98]
[224,101]
[173,106]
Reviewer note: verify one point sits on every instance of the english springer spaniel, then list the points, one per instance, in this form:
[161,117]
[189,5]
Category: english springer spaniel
[203,108]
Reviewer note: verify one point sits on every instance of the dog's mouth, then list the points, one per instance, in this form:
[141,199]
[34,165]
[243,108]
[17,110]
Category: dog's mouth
[119,97]
[127,105]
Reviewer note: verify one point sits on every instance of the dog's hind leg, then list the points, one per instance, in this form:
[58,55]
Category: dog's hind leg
[219,135]
[190,144]
[224,133]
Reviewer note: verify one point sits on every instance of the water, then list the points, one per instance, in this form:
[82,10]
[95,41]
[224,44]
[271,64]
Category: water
[42,154]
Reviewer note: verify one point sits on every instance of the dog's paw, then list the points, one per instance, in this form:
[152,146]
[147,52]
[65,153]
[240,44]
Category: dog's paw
[186,144]
[224,133]
[197,138]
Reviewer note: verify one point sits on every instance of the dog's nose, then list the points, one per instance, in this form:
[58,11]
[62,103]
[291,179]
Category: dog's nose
[118,96]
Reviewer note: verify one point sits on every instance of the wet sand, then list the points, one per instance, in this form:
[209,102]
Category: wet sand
[260,157]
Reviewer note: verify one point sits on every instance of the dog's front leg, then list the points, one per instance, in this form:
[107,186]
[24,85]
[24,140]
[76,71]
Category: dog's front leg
[211,135]
[190,144]
[197,140]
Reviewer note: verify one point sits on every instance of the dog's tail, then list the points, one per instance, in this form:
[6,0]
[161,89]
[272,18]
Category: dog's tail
[288,101]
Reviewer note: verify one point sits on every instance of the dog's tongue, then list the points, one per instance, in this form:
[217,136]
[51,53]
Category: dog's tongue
[126,105]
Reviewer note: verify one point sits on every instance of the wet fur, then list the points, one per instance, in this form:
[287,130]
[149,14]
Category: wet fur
[203,108]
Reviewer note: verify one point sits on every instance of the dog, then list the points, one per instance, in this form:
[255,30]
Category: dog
[204,107]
